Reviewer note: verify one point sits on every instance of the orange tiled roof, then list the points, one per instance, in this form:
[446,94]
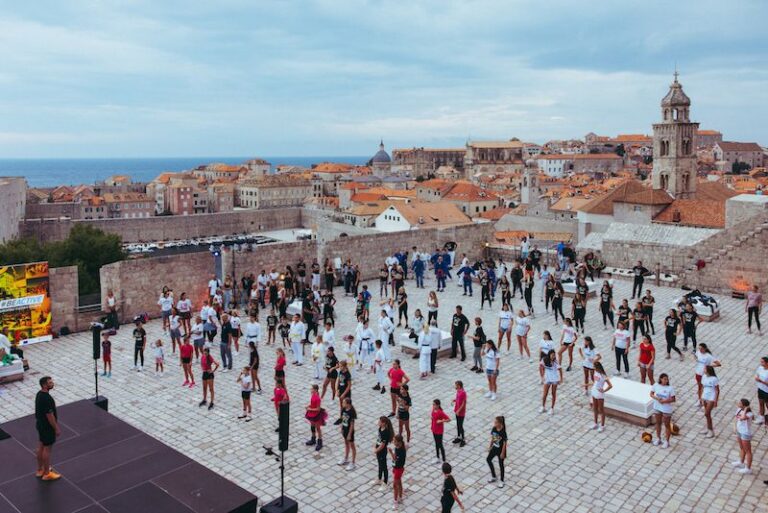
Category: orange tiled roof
[603,205]
[648,197]
[465,191]
[333,167]
[694,212]
[739,146]
[364,197]
[714,191]
[495,214]
[595,156]
[393,193]
[707,132]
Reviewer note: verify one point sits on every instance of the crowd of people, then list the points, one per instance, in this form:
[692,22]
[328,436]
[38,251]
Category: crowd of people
[297,306]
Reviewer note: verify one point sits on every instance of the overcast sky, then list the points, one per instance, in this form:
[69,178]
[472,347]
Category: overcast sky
[330,77]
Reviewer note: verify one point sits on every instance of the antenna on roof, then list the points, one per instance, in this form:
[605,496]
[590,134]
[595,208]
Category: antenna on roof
[676,72]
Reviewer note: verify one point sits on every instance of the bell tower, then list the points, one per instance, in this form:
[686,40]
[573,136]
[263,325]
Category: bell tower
[674,145]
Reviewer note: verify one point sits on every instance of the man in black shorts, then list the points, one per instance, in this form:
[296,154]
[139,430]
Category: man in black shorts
[46,422]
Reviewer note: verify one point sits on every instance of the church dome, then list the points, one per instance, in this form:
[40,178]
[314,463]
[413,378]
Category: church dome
[381,157]
[676,97]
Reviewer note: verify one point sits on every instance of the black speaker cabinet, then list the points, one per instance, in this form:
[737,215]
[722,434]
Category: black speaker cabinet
[284,420]
[288,506]
[102,402]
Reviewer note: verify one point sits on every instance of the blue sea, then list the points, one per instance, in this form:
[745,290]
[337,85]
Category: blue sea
[52,172]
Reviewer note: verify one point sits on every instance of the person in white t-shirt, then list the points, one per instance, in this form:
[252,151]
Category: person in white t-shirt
[709,396]
[317,353]
[365,347]
[296,334]
[620,346]
[329,336]
[744,418]
[663,396]
[522,327]
[246,387]
[386,331]
[704,358]
[761,378]
[600,386]
[378,367]
[568,339]
[213,285]
[166,307]
[492,363]
[505,326]
[553,376]
[546,344]
[589,356]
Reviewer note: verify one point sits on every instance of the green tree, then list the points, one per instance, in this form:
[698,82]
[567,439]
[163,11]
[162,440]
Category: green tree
[86,247]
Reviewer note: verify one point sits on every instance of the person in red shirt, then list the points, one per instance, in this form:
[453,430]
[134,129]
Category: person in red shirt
[439,417]
[280,366]
[185,353]
[316,416]
[280,396]
[646,358]
[209,366]
[397,378]
[460,409]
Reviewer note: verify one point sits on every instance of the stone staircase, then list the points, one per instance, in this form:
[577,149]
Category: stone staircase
[734,258]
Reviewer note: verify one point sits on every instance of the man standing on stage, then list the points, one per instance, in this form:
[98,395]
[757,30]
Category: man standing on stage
[46,422]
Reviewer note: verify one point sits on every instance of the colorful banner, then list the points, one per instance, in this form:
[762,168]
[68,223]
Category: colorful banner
[25,303]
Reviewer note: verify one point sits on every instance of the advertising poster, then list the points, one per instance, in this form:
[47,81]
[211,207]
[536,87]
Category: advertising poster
[25,303]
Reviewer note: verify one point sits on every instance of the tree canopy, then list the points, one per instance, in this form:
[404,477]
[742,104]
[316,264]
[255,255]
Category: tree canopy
[86,247]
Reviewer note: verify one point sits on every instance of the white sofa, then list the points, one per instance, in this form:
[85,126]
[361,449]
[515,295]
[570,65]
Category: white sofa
[630,401]
[13,372]
[706,312]
[412,344]
[570,288]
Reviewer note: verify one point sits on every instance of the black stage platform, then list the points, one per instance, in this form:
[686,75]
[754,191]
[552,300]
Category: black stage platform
[108,466]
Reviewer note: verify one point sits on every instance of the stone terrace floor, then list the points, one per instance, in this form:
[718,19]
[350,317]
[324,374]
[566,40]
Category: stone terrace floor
[555,463]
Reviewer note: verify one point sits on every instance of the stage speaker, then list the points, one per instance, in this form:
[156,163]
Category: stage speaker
[282,505]
[96,332]
[4,435]
[283,418]
[102,402]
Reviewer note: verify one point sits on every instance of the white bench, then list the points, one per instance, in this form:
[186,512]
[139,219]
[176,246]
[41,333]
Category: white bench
[412,344]
[630,401]
[706,313]
[12,372]
[570,288]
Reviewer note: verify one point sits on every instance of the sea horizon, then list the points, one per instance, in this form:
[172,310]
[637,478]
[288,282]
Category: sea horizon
[52,171]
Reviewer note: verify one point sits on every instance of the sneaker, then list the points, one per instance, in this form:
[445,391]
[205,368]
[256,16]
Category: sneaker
[438,461]
[320,446]
[665,445]
[248,418]
[493,397]
[258,392]
[203,403]
[551,411]
[601,429]
[462,443]
[342,462]
[473,368]
[39,473]
[349,467]
[377,387]
[744,470]
[501,484]
[191,385]
[491,479]
[594,426]
[542,409]
[186,383]
[210,406]
[487,395]
[391,415]
[383,390]
[737,464]
[568,369]
[456,440]
[626,375]
[242,416]
[530,360]
[311,441]
[51,476]
[656,442]
[710,434]
[383,487]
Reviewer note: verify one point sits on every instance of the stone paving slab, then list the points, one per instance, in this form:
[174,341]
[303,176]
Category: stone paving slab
[554,462]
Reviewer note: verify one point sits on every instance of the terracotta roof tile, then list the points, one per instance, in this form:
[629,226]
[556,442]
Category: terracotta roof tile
[648,197]
[603,205]
[694,212]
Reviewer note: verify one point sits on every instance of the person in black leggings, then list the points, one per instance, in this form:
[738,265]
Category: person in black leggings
[690,318]
[450,493]
[549,291]
[386,433]
[638,321]
[139,343]
[606,304]
[671,330]
[648,302]
[402,306]
[439,418]
[557,300]
[497,449]
[578,312]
